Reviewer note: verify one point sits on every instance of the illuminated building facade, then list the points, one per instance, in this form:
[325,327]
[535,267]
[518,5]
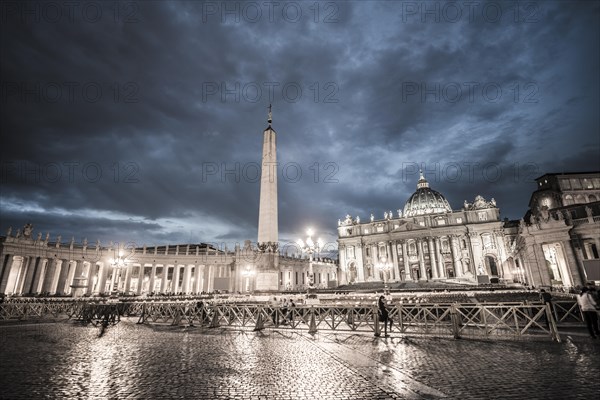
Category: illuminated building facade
[556,244]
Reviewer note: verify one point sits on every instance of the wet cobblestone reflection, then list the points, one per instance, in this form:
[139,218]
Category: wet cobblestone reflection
[64,360]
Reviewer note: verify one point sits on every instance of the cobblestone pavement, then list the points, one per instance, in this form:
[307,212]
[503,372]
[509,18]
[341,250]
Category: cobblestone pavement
[68,361]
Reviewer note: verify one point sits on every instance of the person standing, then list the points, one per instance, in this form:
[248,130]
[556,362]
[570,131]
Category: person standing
[284,311]
[384,315]
[588,308]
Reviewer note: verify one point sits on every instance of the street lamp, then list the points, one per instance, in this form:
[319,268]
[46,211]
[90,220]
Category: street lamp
[118,265]
[310,247]
[248,273]
[384,266]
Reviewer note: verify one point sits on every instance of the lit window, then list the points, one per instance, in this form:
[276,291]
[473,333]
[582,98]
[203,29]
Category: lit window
[366,231]
[459,220]
[483,216]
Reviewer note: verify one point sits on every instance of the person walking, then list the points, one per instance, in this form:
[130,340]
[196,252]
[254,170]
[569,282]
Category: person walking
[384,315]
[588,308]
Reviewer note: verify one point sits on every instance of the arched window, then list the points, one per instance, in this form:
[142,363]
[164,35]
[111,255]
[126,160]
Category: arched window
[592,198]
[412,248]
[568,200]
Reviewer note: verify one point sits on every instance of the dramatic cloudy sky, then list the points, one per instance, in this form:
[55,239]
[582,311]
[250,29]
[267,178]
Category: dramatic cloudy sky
[118,124]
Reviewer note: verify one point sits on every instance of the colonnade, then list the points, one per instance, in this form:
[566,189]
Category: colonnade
[37,275]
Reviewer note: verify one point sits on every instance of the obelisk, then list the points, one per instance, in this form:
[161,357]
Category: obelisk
[268,238]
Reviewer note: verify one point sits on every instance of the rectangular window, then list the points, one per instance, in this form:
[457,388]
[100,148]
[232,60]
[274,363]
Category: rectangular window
[441,222]
[350,252]
[565,184]
[575,184]
[303,278]
[380,229]
[596,183]
[367,251]
[587,183]
[296,277]
[483,216]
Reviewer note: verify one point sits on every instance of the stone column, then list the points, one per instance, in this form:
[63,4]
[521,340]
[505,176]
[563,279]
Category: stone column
[6,269]
[359,253]
[432,259]
[78,269]
[20,281]
[165,276]
[90,278]
[70,276]
[406,262]
[199,275]
[394,247]
[187,278]
[210,278]
[113,277]
[440,258]
[175,283]
[152,277]
[102,276]
[141,276]
[53,288]
[421,260]
[41,276]
[454,249]
[544,276]
[476,250]
[32,270]
[128,274]
[51,281]
[63,277]
[574,266]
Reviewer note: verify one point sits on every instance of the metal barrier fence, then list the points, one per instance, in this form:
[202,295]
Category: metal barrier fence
[467,320]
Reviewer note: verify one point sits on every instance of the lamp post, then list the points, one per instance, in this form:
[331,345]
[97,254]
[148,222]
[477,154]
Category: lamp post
[310,247]
[248,273]
[118,265]
[384,266]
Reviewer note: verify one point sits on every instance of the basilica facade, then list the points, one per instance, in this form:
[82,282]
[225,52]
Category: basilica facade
[555,244]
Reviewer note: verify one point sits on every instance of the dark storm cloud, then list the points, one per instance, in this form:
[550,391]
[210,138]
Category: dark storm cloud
[166,151]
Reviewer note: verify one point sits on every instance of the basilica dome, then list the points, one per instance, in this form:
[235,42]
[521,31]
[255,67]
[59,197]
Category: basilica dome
[425,201]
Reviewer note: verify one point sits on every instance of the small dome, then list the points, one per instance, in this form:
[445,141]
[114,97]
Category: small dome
[425,201]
